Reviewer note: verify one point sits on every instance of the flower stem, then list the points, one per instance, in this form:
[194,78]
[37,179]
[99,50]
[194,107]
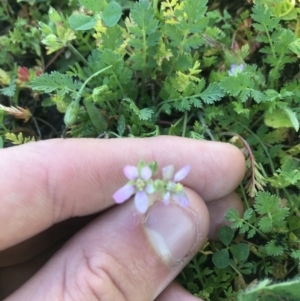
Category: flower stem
[77,53]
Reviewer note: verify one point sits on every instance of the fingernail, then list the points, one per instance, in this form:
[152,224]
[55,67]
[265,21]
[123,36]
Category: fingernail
[172,231]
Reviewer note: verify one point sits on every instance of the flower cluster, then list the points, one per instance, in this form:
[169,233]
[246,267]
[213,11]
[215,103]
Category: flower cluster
[142,185]
[235,69]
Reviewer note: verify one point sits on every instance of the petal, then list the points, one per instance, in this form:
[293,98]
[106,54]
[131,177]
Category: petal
[168,172]
[123,194]
[146,173]
[166,198]
[149,188]
[241,67]
[182,173]
[131,172]
[181,199]
[141,201]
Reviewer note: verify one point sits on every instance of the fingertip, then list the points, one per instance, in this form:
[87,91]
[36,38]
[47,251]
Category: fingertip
[217,210]
[175,292]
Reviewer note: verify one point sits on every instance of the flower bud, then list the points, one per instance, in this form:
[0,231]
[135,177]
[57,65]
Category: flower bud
[71,113]
[54,16]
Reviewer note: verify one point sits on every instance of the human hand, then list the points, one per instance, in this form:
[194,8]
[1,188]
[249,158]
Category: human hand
[55,189]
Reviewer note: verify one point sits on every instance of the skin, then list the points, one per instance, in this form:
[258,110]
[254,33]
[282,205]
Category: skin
[63,236]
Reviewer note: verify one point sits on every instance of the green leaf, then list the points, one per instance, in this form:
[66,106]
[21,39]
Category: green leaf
[1,116]
[248,214]
[112,14]
[121,125]
[143,114]
[55,81]
[212,93]
[1,142]
[94,5]
[54,16]
[96,117]
[221,259]
[82,22]
[273,249]
[281,118]
[292,117]
[226,235]
[240,251]
[295,47]
[10,90]
[112,38]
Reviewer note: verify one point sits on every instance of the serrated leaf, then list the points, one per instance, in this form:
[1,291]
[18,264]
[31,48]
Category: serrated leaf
[248,214]
[112,14]
[212,93]
[221,259]
[145,114]
[54,81]
[82,22]
[112,38]
[10,90]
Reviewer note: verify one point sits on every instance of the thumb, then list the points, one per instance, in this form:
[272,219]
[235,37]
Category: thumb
[123,255]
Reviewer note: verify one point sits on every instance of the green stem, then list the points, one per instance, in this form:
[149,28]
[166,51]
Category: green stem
[270,42]
[77,53]
[178,55]
[110,107]
[207,130]
[77,99]
[155,4]
[275,83]
[236,270]
[257,230]
[262,145]
[144,64]
[244,196]
[119,84]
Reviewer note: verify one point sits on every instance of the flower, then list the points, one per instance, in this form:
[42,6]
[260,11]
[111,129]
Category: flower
[173,189]
[23,74]
[140,184]
[235,69]
[17,112]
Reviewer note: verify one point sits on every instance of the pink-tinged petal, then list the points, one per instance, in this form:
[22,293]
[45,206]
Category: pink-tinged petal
[146,173]
[149,188]
[181,199]
[182,173]
[130,172]
[123,194]
[166,198]
[168,172]
[141,201]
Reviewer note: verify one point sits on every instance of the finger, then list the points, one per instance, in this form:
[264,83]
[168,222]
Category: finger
[123,255]
[30,248]
[46,182]
[11,278]
[175,292]
[62,231]
[217,210]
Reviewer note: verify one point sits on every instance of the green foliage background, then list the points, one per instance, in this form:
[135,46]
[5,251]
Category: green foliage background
[197,69]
